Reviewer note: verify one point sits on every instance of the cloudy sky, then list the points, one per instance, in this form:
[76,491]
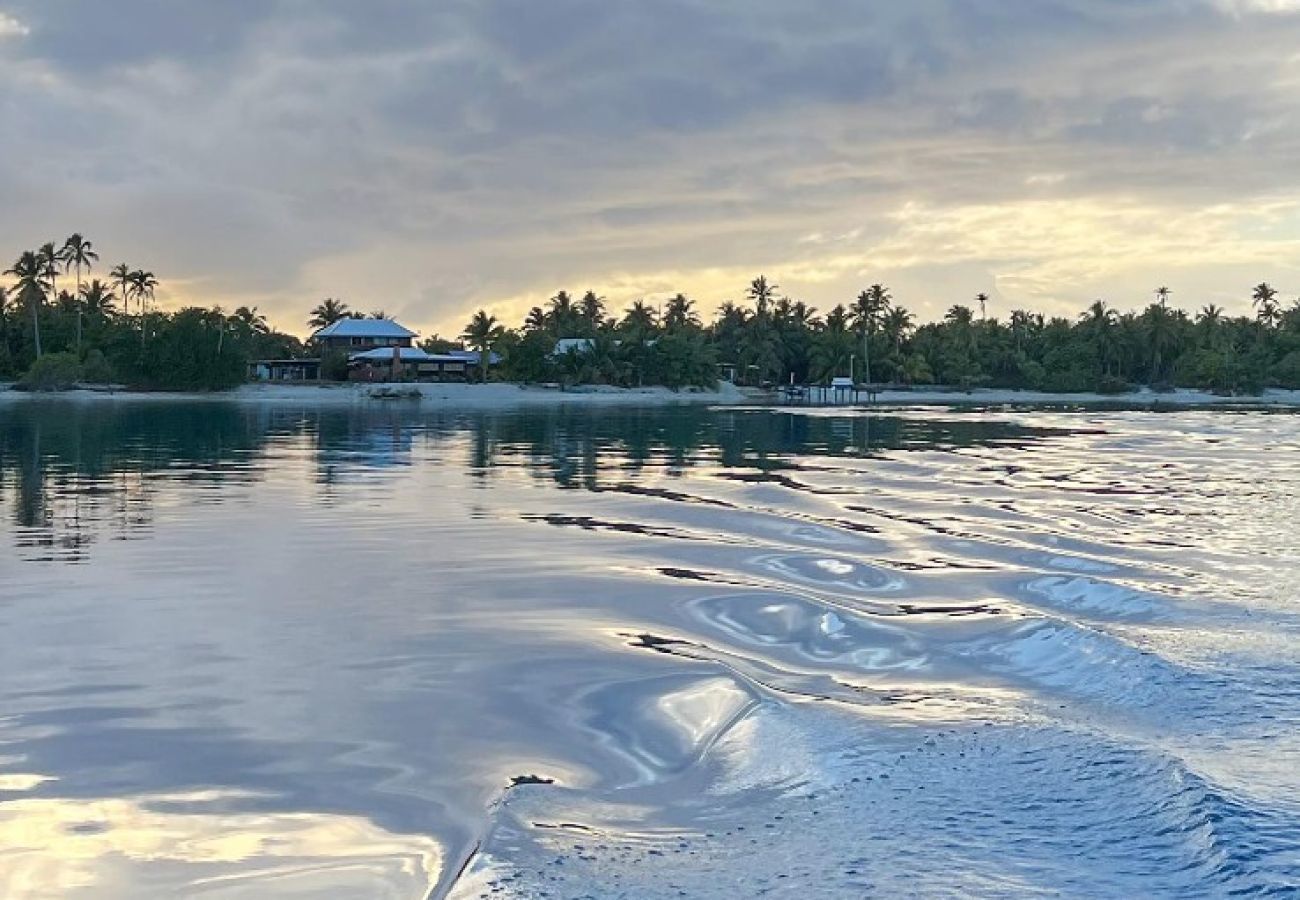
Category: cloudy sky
[429,158]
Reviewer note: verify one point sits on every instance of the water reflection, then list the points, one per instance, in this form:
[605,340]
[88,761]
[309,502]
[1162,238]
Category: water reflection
[265,650]
[74,473]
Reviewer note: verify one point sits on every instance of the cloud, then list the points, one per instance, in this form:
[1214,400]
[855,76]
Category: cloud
[426,159]
[11,27]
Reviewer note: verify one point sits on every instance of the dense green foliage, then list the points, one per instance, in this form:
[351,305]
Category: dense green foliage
[107,331]
[772,339]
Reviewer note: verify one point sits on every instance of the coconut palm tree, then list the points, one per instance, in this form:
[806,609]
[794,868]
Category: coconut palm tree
[1264,299]
[121,277]
[1099,320]
[868,310]
[563,315]
[78,253]
[250,321]
[51,261]
[762,294]
[99,300]
[143,284]
[31,276]
[327,312]
[592,310]
[680,314]
[536,319]
[482,334]
[1162,295]
[640,321]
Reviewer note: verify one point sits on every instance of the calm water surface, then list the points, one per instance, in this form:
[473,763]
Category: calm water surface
[276,652]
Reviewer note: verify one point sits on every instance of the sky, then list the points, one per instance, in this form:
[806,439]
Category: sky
[429,159]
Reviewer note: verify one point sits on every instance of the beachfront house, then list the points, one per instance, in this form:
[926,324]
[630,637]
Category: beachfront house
[415,364]
[354,336]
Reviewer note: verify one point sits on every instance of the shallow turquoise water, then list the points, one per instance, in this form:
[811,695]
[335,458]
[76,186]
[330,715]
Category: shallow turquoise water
[265,651]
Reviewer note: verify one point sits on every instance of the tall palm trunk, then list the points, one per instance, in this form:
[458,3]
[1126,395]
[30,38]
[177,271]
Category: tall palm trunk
[78,307]
[34,303]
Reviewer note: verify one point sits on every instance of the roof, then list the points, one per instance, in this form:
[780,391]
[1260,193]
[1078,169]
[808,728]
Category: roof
[415,354]
[364,328]
[385,354]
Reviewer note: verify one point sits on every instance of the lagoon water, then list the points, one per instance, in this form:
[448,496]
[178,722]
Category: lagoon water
[267,651]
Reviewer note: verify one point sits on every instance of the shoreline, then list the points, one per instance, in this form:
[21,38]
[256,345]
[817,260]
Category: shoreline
[430,395]
[511,395]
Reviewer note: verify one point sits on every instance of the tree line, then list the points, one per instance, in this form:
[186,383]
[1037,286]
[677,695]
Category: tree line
[770,338]
[59,324]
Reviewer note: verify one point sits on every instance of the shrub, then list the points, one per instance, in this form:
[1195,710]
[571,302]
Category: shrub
[334,366]
[95,369]
[1111,384]
[53,372]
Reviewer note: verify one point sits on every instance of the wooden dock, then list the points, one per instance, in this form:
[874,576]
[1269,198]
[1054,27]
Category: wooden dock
[824,395]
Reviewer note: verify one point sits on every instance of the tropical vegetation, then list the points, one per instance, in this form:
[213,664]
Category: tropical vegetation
[770,338]
[107,327]
[59,324]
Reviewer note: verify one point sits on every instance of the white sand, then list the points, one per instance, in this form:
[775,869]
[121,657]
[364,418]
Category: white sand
[475,396]
[505,396]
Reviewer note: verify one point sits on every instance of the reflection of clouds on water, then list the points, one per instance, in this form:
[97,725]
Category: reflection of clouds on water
[638,627]
[182,844]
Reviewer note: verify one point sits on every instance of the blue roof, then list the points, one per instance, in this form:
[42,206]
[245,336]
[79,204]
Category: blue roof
[364,328]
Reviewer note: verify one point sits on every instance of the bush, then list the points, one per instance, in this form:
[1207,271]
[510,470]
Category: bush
[334,366]
[1111,384]
[96,370]
[53,372]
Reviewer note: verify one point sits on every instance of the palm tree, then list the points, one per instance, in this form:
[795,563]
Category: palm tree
[536,319]
[982,299]
[1162,295]
[99,300]
[78,253]
[121,276]
[50,260]
[143,284]
[592,309]
[1264,299]
[868,311]
[30,281]
[639,321]
[250,321]
[1099,319]
[327,312]
[1210,321]
[680,314]
[1158,324]
[762,294]
[481,334]
[562,314]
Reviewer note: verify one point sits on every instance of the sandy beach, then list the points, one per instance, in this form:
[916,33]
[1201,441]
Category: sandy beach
[468,396]
[507,396]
